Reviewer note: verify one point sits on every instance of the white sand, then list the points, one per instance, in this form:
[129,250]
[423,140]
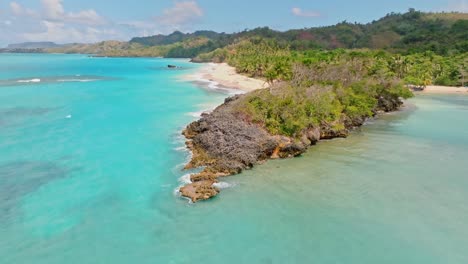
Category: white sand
[227,76]
[444,90]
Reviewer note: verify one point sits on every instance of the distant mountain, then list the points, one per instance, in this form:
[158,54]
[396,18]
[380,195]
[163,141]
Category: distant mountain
[177,36]
[33,45]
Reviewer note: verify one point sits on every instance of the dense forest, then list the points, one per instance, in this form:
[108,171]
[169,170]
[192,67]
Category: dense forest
[418,48]
[414,31]
[274,61]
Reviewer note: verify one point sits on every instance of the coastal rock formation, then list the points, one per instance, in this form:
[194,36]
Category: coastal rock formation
[225,143]
[201,190]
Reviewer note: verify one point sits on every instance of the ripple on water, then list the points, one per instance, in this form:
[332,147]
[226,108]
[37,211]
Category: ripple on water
[52,79]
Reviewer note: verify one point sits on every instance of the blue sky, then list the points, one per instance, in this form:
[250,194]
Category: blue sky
[66,21]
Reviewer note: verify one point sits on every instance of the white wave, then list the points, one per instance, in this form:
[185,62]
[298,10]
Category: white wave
[179,140]
[196,114]
[76,80]
[30,81]
[185,179]
[178,168]
[181,149]
[215,86]
[68,116]
[223,185]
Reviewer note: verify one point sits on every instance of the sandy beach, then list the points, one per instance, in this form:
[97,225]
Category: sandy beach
[433,89]
[226,76]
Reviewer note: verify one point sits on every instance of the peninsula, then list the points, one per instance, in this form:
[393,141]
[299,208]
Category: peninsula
[302,85]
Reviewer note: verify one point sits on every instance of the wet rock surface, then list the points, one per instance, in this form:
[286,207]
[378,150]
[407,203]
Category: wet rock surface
[198,191]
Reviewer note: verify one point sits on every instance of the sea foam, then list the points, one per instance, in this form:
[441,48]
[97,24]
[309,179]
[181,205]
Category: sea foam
[36,80]
[215,86]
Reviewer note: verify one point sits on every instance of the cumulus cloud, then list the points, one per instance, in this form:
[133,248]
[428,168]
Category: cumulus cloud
[181,14]
[19,10]
[304,13]
[53,10]
[16,8]
[52,21]
[55,31]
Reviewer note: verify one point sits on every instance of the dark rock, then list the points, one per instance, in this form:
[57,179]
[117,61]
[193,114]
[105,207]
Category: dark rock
[313,134]
[389,103]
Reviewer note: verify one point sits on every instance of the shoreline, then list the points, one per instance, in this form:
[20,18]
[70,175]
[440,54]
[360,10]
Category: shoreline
[220,147]
[218,77]
[221,76]
[217,143]
[437,89]
[224,77]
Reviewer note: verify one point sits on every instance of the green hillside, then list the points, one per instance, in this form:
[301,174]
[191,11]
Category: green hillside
[414,31]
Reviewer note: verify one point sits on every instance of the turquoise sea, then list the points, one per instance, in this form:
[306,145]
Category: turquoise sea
[91,156]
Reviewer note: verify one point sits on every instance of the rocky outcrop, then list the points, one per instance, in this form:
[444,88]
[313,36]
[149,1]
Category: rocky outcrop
[225,143]
[201,190]
[389,103]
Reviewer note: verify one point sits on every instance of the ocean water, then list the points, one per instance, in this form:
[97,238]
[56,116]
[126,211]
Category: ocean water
[91,153]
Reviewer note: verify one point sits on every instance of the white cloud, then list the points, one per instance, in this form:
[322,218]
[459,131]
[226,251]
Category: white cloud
[458,6]
[7,22]
[57,32]
[53,10]
[181,14]
[86,17]
[19,10]
[145,28]
[303,13]
[54,22]
[16,8]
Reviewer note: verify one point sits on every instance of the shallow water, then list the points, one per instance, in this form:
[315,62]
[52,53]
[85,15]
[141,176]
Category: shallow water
[88,172]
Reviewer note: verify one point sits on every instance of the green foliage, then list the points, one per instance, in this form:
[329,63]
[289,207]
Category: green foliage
[260,57]
[324,89]
[408,33]
[273,60]
[216,56]
[292,111]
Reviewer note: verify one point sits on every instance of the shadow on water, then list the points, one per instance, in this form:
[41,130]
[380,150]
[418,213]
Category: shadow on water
[24,111]
[20,178]
[458,100]
[10,116]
